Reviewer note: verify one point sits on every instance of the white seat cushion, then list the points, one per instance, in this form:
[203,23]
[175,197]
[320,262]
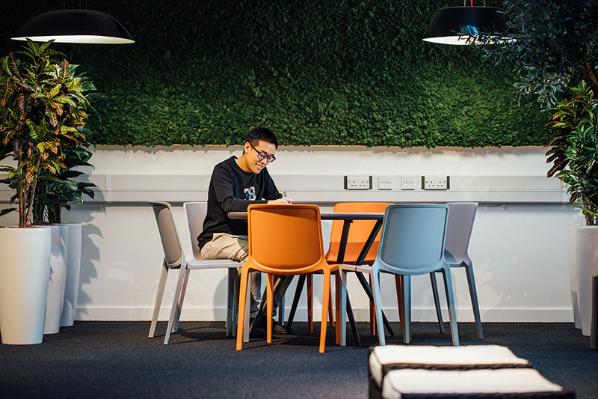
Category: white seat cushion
[410,381]
[474,356]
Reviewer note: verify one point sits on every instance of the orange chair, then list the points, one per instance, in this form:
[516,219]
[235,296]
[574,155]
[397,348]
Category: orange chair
[358,235]
[284,240]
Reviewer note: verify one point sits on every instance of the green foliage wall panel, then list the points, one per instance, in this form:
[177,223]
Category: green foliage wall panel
[316,72]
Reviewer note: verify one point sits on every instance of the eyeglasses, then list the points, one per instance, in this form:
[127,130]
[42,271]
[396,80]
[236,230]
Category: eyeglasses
[263,156]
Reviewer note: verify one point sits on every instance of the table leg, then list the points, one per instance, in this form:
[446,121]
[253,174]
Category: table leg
[310,304]
[368,291]
[337,305]
[298,291]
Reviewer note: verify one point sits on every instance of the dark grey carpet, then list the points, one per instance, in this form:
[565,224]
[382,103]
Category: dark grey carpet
[116,359]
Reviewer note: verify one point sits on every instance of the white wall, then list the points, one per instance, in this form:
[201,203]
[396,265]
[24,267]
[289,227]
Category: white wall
[519,249]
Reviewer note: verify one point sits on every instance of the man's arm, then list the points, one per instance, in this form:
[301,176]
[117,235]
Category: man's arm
[271,192]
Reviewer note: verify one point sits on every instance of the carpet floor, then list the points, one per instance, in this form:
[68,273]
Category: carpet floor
[116,359]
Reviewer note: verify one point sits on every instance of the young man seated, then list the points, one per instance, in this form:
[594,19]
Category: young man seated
[235,184]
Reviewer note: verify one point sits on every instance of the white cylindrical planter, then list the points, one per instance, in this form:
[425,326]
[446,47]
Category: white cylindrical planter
[73,269]
[573,275]
[24,274]
[57,279]
[586,256]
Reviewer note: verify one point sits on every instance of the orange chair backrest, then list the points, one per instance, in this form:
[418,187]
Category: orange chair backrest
[285,238]
[358,232]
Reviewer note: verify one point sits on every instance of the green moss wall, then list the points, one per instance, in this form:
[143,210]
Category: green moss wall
[316,72]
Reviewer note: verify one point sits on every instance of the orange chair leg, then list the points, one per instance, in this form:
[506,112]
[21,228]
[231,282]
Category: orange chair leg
[325,305]
[310,304]
[372,316]
[269,307]
[400,302]
[241,308]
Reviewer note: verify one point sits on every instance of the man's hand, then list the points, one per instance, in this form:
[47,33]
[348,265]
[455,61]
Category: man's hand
[283,200]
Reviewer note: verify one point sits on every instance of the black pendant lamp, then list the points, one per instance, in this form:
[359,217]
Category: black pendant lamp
[74,26]
[462,25]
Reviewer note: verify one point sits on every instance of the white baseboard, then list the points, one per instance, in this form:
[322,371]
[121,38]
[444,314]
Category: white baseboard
[101,313]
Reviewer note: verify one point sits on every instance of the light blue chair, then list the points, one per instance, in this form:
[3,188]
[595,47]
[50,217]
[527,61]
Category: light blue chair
[412,243]
[458,233]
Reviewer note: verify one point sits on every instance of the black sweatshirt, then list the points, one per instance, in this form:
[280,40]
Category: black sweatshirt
[233,190]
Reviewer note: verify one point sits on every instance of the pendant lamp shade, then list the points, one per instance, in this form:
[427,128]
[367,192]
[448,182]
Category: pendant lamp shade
[455,25]
[74,26]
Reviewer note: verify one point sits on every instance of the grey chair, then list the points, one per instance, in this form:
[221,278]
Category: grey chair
[174,258]
[458,233]
[196,213]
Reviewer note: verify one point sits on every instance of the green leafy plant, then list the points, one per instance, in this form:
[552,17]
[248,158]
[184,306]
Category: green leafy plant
[551,46]
[575,148]
[44,113]
[57,192]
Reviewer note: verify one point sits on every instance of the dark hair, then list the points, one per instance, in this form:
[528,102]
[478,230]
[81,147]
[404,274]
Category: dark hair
[261,133]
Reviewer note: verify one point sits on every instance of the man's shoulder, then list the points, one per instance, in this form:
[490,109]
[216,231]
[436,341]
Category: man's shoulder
[227,164]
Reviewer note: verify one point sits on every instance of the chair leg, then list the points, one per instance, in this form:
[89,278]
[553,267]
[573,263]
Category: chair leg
[450,298]
[159,296]
[375,279]
[310,304]
[474,300]
[331,317]
[437,302]
[325,304]
[400,304]
[372,313]
[181,300]
[174,311]
[269,306]
[243,304]
[407,309]
[341,321]
[247,310]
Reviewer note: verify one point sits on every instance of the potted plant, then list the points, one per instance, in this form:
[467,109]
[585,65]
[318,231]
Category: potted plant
[552,50]
[43,107]
[57,192]
[575,123]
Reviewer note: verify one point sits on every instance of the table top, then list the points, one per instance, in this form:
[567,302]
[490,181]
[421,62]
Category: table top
[326,216]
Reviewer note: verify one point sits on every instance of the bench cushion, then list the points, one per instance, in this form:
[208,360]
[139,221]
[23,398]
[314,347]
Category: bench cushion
[384,358]
[512,383]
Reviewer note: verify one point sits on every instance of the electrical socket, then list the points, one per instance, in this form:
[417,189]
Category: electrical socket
[358,182]
[436,182]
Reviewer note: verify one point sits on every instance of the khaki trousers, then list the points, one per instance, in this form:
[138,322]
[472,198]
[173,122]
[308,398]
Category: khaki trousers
[233,247]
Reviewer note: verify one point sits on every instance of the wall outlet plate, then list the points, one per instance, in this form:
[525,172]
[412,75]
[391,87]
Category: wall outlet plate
[358,182]
[436,182]
[409,182]
[384,182]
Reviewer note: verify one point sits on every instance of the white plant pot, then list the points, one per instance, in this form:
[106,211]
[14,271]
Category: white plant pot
[24,275]
[573,275]
[73,269]
[57,279]
[586,257]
